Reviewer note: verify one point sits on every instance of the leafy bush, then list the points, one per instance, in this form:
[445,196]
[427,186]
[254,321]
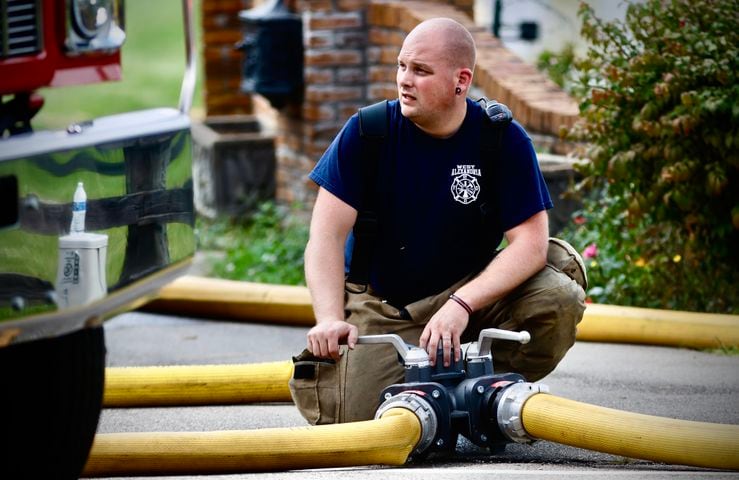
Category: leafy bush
[559,66]
[267,247]
[660,118]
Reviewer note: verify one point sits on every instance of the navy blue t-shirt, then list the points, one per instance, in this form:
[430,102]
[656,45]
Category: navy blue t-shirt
[430,195]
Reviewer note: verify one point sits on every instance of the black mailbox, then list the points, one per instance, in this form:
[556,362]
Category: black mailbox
[273,44]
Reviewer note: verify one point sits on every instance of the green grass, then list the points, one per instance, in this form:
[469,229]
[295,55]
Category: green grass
[153,62]
[731,351]
[266,246]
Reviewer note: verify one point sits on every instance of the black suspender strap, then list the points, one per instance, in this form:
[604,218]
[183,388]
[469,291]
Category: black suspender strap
[499,117]
[494,124]
[373,130]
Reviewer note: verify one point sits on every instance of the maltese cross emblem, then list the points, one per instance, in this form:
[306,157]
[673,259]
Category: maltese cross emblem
[465,188]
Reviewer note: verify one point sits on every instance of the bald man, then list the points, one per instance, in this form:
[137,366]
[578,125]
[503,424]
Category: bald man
[436,276]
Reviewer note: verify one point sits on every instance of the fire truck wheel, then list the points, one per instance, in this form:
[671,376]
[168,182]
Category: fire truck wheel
[50,401]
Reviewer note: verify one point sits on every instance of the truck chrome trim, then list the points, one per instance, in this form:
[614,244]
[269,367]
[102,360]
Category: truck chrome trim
[188,81]
[142,123]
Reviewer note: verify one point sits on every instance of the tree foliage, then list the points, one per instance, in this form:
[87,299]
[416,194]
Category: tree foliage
[660,118]
[558,65]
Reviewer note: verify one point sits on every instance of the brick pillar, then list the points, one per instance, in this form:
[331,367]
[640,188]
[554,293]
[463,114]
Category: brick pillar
[335,40]
[222,62]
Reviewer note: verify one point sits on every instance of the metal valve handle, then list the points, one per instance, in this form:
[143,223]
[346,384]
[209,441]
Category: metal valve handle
[390,338]
[411,355]
[485,340]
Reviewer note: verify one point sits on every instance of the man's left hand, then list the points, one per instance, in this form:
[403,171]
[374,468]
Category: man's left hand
[446,326]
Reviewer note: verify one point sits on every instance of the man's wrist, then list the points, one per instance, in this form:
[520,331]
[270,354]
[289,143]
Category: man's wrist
[329,319]
[459,301]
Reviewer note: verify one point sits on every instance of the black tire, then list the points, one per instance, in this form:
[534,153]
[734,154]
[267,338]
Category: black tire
[51,398]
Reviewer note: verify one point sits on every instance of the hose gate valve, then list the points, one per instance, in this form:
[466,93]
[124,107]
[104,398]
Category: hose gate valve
[458,399]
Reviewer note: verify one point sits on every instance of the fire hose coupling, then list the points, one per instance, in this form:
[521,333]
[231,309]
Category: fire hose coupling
[508,406]
[421,408]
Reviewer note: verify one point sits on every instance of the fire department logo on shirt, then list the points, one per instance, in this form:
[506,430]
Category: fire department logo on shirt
[465,187]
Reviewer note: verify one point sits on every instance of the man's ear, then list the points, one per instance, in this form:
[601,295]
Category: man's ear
[464,79]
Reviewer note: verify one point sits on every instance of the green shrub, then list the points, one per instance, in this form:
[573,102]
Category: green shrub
[559,66]
[265,247]
[660,118]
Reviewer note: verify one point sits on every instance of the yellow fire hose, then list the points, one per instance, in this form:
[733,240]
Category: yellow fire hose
[634,435]
[612,323]
[544,417]
[290,305]
[197,384]
[387,441]
[219,298]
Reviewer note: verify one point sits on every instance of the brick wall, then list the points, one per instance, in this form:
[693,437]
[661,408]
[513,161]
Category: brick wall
[351,49]
[335,43]
[221,61]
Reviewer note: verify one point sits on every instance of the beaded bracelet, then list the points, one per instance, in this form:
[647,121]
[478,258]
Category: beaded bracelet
[462,303]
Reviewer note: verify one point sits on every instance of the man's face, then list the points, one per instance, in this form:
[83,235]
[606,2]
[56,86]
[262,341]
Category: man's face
[425,80]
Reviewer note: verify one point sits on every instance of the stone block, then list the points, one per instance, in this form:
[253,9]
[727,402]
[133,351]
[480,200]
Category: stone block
[559,175]
[233,165]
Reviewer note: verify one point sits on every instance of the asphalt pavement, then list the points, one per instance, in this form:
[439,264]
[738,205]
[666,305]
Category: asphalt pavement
[668,382]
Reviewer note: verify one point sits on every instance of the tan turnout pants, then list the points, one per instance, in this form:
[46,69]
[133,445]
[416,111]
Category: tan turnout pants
[549,305]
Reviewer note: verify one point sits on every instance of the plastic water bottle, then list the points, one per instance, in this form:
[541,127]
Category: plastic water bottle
[79,207]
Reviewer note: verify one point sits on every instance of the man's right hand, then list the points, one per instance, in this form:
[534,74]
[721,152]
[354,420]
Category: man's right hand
[325,337]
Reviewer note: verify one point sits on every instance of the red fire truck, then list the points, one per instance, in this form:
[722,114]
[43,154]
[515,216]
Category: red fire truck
[93,220]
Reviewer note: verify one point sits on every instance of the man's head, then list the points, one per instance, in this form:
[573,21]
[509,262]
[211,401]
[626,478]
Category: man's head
[435,68]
